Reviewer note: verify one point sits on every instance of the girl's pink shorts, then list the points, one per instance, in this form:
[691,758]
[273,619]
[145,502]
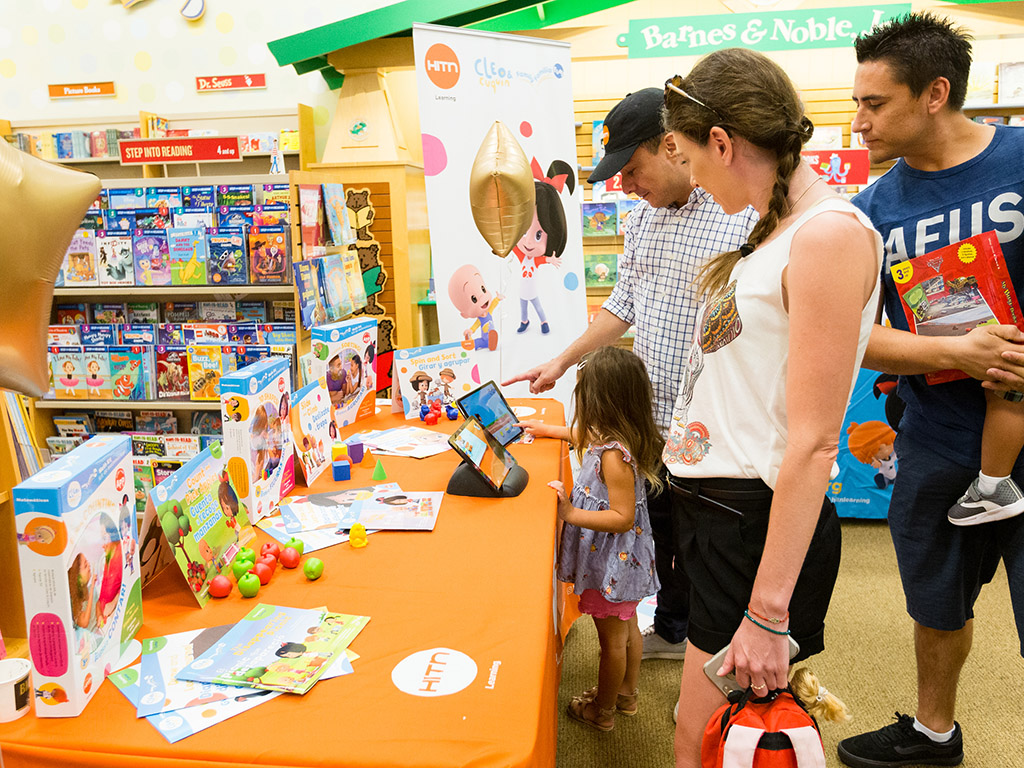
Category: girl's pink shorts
[592,602]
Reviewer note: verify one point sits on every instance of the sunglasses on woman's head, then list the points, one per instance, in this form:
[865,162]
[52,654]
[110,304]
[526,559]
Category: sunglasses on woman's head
[675,85]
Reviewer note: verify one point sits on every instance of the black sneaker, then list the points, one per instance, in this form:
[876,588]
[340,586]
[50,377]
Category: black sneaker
[900,744]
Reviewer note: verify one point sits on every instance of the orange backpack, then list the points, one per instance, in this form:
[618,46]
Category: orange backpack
[769,732]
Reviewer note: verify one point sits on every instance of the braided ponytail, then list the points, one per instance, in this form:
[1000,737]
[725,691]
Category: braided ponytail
[748,94]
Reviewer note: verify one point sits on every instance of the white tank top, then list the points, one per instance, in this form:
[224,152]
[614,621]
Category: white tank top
[729,418]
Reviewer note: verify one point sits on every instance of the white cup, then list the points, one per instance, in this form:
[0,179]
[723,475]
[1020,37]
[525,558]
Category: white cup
[15,688]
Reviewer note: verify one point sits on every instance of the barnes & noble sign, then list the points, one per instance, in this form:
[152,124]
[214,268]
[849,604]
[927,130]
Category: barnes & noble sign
[771,31]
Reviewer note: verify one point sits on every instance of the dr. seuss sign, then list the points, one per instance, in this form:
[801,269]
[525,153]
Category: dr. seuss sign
[772,31]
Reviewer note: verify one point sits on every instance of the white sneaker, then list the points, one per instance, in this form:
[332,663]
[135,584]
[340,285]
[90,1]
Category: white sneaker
[657,647]
[675,712]
[974,507]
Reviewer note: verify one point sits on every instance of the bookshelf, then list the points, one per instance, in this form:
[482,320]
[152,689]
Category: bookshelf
[129,405]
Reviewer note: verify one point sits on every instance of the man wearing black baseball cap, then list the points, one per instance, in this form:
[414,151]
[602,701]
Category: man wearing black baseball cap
[668,237]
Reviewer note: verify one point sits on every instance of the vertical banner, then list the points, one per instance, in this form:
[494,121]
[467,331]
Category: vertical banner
[522,309]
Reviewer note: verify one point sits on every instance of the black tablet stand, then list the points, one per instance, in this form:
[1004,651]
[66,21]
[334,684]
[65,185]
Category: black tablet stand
[466,481]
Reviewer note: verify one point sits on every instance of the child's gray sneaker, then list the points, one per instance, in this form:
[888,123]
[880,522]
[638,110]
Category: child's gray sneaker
[974,507]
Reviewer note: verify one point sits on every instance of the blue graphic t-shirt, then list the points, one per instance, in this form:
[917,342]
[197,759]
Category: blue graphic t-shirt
[917,212]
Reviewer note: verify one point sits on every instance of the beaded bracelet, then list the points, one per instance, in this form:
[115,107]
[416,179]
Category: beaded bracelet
[769,619]
[764,627]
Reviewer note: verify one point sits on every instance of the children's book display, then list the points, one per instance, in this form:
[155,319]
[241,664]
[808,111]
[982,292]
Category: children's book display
[204,520]
[345,355]
[255,410]
[339,227]
[313,429]
[438,373]
[277,648]
[79,556]
[955,289]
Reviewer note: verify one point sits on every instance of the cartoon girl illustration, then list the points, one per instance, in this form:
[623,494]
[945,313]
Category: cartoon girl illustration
[471,297]
[69,380]
[445,377]
[871,443]
[228,499]
[545,240]
[93,380]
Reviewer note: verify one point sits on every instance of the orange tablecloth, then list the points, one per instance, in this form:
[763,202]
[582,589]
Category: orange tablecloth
[480,583]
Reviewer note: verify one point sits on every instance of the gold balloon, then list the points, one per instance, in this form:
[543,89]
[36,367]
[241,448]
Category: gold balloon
[501,191]
[41,206]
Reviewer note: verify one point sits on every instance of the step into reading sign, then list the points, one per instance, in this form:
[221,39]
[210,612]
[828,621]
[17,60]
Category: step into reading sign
[191,149]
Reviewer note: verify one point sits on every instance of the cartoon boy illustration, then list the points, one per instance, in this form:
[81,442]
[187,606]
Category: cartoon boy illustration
[871,443]
[470,296]
[421,388]
[445,378]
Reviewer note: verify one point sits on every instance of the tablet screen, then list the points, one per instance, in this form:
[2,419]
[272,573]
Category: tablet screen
[487,404]
[480,449]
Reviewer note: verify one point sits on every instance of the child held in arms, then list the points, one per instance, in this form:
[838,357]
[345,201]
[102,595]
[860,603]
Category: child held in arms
[606,548]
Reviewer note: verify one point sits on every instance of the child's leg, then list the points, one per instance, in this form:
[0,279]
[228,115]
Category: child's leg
[1002,436]
[613,634]
[634,653]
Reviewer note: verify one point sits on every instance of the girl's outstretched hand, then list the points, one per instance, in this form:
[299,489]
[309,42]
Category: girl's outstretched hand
[536,428]
[564,507]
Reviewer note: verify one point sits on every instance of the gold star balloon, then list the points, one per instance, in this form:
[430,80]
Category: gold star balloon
[501,191]
[41,206]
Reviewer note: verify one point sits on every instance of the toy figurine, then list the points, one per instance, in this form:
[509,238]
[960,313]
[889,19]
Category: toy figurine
[357,536]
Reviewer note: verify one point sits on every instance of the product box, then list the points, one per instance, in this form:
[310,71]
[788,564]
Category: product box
[345,354]
[228,262]
[115,257]
[255,403]
[77,543]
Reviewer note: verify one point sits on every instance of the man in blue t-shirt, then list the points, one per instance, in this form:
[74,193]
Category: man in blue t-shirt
[953,179]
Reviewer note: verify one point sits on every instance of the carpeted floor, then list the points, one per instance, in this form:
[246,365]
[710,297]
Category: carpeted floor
[868,663]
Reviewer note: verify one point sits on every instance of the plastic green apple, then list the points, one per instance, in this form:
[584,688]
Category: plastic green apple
[313,568]
[246,553]
[296,544]
[240,567]
[249,585]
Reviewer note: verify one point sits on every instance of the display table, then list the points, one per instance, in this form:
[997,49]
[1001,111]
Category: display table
[481,584]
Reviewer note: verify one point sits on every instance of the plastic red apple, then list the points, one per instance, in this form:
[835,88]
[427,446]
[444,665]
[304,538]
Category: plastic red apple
[313,568]
[249,585]
[268,560]
[263,573]
[220,586]
[290,557]
[296,544]
[271,547]
[240,567]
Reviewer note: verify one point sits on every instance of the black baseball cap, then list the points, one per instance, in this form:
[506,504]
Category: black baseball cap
[632,121]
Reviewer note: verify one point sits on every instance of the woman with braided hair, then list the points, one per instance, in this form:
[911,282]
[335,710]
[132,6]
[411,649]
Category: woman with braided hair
[784,325]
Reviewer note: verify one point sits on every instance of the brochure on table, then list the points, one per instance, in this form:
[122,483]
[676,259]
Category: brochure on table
[413,442]
[203,519]
[396,511]
[325,511]
[277,648]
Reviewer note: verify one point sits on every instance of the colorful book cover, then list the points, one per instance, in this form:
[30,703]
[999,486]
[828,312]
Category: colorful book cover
[354,276]
[181,445]
[268,255]
[147,445]
[152,267]
[204,333]
[599,219]
[337,301]
[172,372]
[73,314]
[109,314]
[271,215]
[186,249]
[99,333]
[277,193]
[159,423]
[96,364]
[235,194]
[277,648]
[254,311]
[80,260]
[199,197]
[955,289]
[278,334]
[312,309]
[63,335]
[152,218]
[142,471]
[311,220]
[127,372]
[114,421]
[312,424]
[138,333]
[126,198]
[180,311]
[67,368]
[203,519]
[143,312]
[228,261]
[324,511]
[205,369]
[192,217]
[164,197]
[625,206]
[235,216]
[438,373]
[170,333]
[244,333]
[119,220]
[338,225]
[281,311]
[163,468]
[115,258]
[600,270]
